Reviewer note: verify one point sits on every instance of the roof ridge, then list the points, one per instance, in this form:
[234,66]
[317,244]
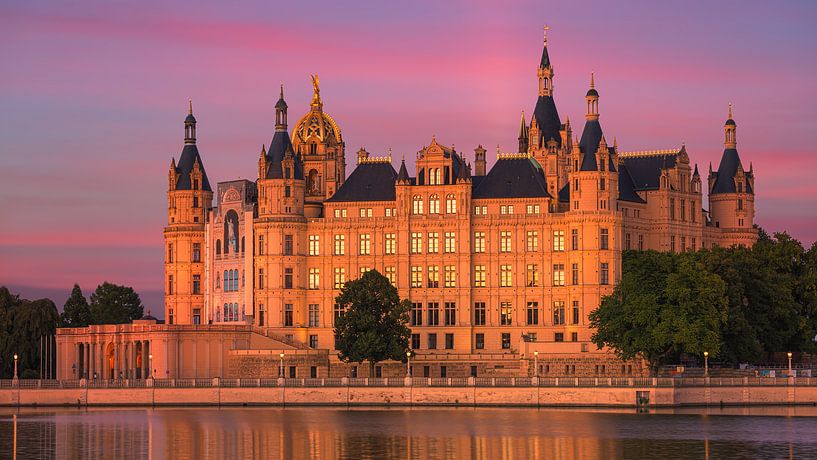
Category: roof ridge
[648,153]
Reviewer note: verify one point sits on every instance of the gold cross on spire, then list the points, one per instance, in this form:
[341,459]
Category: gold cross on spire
[730,110]
[546,28]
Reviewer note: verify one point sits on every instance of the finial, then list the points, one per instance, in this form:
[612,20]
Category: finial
[282,90]
[317,90]
[730,110]
[190,107]
[592,80]
[497,148]
[389,154]
[615,142]
[546,28]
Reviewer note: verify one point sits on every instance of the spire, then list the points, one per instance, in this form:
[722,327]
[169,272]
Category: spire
[281,112]
[592,80]
[544,63]
[190,125]
[402,176]
[523,135]
[730,130]
[592,98]
[695,173]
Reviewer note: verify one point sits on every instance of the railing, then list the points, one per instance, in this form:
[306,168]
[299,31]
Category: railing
[511,382]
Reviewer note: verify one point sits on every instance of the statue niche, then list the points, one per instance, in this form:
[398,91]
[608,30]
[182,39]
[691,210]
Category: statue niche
[313,186]
[231,232]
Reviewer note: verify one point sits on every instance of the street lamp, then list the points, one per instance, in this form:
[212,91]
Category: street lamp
[706,363]
[150,364]
[408,363]
[789,355]
[281,367]
[15,366]
[536,362]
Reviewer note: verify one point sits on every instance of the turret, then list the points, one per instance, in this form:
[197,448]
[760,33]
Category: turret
[523,135]
[479,161]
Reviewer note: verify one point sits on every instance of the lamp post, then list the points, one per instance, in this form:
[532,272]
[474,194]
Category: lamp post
[281,366]
[706,363]
[536,363]
[408,363]
[150,364]
[789,355]
[15,366]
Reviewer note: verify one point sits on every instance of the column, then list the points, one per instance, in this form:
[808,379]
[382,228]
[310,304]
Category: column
[146,359]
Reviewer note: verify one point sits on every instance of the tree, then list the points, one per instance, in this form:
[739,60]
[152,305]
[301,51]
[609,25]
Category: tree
[113,304]
[665,305]
[373,326]
[22,324]
[76,312]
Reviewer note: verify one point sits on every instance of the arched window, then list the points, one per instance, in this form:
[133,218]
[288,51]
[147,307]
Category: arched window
[450,204]
[434,204]
[242,244]
[226,312]
[226,281]
[218,247]
[417,204]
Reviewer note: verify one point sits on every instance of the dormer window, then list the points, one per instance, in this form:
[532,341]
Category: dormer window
[740,187]
[287,173]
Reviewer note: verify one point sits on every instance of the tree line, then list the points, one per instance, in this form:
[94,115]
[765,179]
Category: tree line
[738,304]
[24,322]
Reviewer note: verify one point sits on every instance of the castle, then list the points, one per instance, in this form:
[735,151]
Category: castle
[499,264]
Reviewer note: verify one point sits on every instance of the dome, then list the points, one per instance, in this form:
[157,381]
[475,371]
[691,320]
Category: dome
[316,126]
[730,122]
[281,104]
[592,93]
[190,118]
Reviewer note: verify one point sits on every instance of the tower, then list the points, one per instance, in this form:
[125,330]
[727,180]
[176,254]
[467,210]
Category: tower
[189,196]
[479,161]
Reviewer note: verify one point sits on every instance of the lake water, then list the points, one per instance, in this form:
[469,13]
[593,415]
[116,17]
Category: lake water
[478,433]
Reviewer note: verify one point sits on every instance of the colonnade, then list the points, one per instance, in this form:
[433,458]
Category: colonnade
[108,360]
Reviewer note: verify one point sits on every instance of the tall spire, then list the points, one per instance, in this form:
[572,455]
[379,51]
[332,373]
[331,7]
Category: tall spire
[545,71]
[730,131]
[190,125]
[523,135]
[281,112]
[592,98]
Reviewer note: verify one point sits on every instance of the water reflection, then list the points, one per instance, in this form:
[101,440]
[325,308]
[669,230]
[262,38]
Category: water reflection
[319,433]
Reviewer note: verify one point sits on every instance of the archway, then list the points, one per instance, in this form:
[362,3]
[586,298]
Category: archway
[110,359]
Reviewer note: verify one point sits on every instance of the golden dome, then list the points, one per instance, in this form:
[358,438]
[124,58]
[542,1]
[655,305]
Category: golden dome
[316,126]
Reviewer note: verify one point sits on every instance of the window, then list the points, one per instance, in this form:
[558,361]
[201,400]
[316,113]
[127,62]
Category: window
[195,202]
[531,337]
[340,213]
[505,314]
[170,316]
[604,238]
[415,341]
[287,191]
[337,313]
[672,208]
[366,212]
[532,275]
[416,276]
[391,243]
[314,278]
[672,243]
[574,239]
[416,242]
[260,245]
[506,340]
[340,277]
[196,252]
[559,337]
[694,245]
[260,314]
[627,241]
[505,241]
[506,209]
[288,315]
[640,242]
[558,312]
[533,209]
[450,314]
[450,276]
[434,204]
[740,204]
[532,241]
[432,341]
[449,343]
[683,210]
[479,276]
[340,245]
[365,244]
[314,315]
[450,204]
[450,242]
[196,284]
[481,210]
[558,274]
[170,284]
[575,312]
[602,183]
[692,213]
[417,204]
[479,314]
[479,341]
[479,242]
[433,314]
[433,242]
[505,276]
[363,270]
[197,316]
[170,253]
[391,274]
[260,279]
[574,336]
[533,313]
[433,276]
[314,245]
[558,240]
[287,245]
[683,243]
[416,315]
[604,273]
[288,278]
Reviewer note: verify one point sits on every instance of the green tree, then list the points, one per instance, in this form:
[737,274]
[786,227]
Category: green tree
[22,324]
[76,312]
[113,304]
[373,326]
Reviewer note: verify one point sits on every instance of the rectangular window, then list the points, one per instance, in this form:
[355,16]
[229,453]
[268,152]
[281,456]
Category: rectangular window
[450,314]
[672,208]
[391,274]
[340,245]
[433,242]
[506,340]
[288,315]
[196,284]
[479,341]
[365,244]
[506,209]
[391,243]
[337,313]
[574,336]
[532,277]
[505,276]
[604,238]
[260,279]
[694,244]
[479,314]
[558,274]
[505,313]
[575,274]
[196,252]
[505,241]
[481,210]
[314,245]
[260,245]
[450,204]
[170,253]
[415,341]
[416,276]
[450,276]
[340,277]
[692,212]
[450,242]
[170,284]
[433,276]
[170,316]
[533,313]
[575,312]
[683,210]
[558,312]
[574,239]
[314,316]
[432,341]
[416,314]
[627,241]
[433,314]
[313,343]
[532,241]
[604,273]
[683,243]
[449,341]
[558,240]
[479,276]
[559,337]
[416,242]
[314,278]
[672,243]
[640,242]
[602,183]
[288,245]
[197,316]
[340,213]
[288,278]
[532,209]
[479,242]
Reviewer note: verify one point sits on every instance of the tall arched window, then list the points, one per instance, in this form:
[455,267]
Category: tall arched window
[450,204]
[226,281]
[434,204]
[218,247]
[417,204]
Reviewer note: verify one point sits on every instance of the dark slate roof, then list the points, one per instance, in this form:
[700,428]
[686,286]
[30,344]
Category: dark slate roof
[730,122]
[646,171]
[724,179]
[280,145]
[368,182]
[189,155]
[547,118]
[513,178]
[564,193]
[589,143]
[626,186]
[545,61]
[403,174]
[191,119]
[592,92]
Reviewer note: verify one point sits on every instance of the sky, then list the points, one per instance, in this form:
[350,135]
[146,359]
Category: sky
[93,96]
